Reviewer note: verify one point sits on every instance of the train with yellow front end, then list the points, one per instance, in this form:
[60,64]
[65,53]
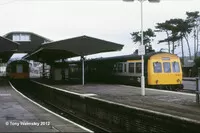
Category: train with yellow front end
[161,70]
[164,70]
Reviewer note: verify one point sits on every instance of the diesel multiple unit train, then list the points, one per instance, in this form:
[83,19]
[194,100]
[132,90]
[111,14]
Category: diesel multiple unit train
[161,70]
[18,69]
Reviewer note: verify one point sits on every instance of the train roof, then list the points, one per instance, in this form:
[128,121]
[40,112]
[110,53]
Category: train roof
[121,58]
[18,61]
[125,57]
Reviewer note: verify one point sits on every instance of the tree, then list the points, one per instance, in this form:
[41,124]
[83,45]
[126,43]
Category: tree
[147,35]
[169,27]
[191,19]
[147,38]
[176,30]
[183,28]
[164,27]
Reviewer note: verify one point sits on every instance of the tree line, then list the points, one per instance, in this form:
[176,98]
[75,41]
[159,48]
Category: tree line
[177,32]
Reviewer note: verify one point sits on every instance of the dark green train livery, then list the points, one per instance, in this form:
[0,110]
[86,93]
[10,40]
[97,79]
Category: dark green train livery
[161,70]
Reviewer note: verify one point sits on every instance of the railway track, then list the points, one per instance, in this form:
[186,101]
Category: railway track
[103,116]
[89,123]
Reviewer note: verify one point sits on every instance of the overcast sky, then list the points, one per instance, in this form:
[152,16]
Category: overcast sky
[112,20]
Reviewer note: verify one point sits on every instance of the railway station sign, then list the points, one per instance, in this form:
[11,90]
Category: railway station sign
[141,50]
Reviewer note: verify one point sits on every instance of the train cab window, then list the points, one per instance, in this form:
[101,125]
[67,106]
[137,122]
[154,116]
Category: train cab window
[157,67]
[19,68]
[131,67]
[175,67]
[167,67]
[138,67]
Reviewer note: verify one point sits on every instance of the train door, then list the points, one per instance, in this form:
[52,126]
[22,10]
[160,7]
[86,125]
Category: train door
[57,74]
[66,73]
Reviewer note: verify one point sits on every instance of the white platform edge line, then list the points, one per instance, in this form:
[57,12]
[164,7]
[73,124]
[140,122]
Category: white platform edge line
[174,92]
[57,88]
[150,111]
[75,93]
[51,111]
[133,107]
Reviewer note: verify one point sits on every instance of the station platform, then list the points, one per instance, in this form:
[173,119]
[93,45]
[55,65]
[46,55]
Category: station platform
[17,114]
[178,104]
[189,78]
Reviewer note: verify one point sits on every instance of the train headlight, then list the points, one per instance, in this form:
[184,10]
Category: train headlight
[178,80]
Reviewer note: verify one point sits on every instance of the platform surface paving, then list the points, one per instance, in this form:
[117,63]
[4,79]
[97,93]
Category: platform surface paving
[17,114]
[174,103]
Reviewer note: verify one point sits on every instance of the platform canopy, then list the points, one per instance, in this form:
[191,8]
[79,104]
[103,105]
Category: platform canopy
[7,49]
[78,46]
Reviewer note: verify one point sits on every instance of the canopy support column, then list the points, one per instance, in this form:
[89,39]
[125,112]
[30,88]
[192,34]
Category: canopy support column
[43,72]
[63,70]
[83,70]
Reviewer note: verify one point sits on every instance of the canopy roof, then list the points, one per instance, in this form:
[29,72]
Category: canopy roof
[26,46]
[78,46]
[7,48]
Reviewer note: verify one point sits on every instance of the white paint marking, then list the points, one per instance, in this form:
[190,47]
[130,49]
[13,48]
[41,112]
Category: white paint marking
[79,94]
[1,94]
[57,88]
[88,130]
[88,95]
[137,108]
[174,92]
[148,110]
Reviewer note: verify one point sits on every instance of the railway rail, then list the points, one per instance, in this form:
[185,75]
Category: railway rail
[105,116]
[70,114]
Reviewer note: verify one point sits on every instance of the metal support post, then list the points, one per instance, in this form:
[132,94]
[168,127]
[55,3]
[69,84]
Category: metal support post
[142,43]
[142,78]
[197,90]
[43,71]
[195,43]
[63,69]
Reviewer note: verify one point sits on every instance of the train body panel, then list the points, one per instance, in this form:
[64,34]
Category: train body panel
[164,69]
[19,75]
[160,69]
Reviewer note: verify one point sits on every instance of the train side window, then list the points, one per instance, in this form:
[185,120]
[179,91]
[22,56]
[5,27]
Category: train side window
[131,67]
[175,67]
[157,67]
[138,67]
[167,67]
[119,67]
[115,68]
